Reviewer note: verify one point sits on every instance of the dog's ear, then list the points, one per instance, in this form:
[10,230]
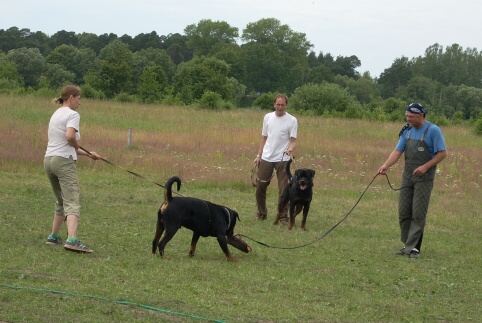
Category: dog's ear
[312,172]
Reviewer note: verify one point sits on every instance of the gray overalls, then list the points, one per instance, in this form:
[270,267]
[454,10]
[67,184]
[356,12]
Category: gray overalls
[415,193]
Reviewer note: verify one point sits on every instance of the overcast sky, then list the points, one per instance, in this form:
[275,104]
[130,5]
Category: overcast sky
[376,31]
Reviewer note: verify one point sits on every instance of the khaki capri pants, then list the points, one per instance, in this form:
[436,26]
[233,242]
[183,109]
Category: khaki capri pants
[62,173]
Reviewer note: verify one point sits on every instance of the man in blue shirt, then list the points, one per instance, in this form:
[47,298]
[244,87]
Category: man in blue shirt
[424,147]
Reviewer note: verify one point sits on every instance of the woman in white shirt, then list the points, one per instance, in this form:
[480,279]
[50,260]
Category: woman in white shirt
[59,164]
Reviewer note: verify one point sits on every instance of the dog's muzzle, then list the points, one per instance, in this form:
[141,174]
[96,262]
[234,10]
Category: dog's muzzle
[303,185]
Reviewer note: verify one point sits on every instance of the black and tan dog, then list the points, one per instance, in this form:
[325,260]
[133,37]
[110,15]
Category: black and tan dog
[203,218]
[298,193]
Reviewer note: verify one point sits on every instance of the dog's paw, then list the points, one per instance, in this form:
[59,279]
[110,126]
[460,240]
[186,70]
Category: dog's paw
[233,259]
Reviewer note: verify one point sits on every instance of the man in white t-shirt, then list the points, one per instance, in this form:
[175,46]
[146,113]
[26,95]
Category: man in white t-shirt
[277,144]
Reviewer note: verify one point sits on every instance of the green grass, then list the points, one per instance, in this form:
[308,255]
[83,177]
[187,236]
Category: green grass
[349,276]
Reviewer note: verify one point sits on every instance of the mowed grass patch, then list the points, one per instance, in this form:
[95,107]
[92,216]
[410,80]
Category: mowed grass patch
[349,276]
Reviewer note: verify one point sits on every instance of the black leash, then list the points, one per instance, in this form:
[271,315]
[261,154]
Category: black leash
[333,227]
[254,172]
[130,172]
[242,235]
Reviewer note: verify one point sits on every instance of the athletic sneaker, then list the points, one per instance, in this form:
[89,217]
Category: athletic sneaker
[76,246]
[414,253]
[54,241]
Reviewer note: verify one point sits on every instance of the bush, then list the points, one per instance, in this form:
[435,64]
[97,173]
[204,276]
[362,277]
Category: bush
[478,127]
[7,85]
[210,100]
[354,111]
[439,120]
[379,114]
[47,93]
[457,118]
[88,91]
[323,97]
[265,101]
[172,100]
[227,105]
[125,97]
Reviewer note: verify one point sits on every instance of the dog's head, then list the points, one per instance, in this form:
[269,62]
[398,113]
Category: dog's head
[304,178]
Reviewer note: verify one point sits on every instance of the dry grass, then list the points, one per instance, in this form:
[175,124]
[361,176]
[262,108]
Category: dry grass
[206,146]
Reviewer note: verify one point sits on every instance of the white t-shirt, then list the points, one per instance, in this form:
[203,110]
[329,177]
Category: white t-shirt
[279,130]
[58,145]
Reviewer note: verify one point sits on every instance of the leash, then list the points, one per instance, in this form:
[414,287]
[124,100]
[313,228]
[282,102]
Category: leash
[254,176]
[254,173]
[130,172]
[333,227]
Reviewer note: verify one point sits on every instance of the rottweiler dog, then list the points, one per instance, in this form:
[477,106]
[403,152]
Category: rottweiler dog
[299,193]
[203,218]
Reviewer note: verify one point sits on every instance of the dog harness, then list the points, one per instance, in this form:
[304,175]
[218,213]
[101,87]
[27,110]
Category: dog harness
[229,217]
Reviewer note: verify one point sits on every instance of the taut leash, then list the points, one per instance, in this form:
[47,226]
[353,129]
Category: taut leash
[130,172]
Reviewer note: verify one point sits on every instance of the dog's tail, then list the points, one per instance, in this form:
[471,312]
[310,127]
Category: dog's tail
[168,187]
[288,172]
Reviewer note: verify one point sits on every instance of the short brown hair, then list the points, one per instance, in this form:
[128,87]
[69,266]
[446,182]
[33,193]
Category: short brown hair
[281,96]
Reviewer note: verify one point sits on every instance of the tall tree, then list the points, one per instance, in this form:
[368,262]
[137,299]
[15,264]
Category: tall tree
[152,85]
[364,89]
[57,75]
[320,74]
[234,56]
[474,67]
[30,64]
[395,76]
[345,66]
[145,41]
[152,57]
[77,61]
[312,59]
[454,65]
[420,89]
[115,69]
[128,40]
[264,67]
[176,48]
[92,41]
[469,101]
[288,49]
[9,77]
[200,75]
[207,33]
[63,37]
[14,38]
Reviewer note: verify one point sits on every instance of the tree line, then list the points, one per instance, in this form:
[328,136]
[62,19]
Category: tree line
[213,65]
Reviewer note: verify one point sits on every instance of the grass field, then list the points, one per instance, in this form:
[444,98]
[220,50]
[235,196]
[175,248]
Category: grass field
[349,276]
